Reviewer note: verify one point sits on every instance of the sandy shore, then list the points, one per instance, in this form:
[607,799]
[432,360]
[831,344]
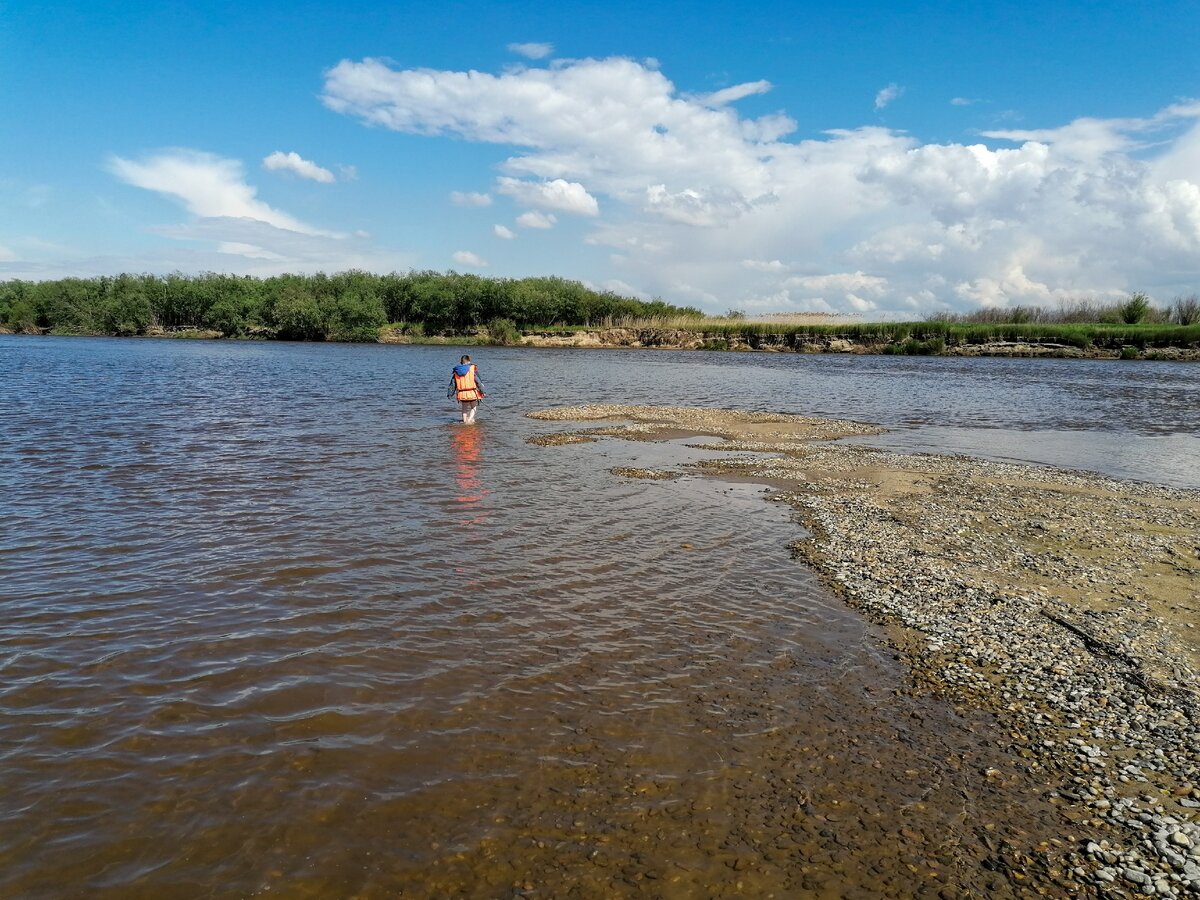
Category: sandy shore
[1065,602]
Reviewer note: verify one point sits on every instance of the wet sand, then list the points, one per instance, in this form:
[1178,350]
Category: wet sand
[1064,603]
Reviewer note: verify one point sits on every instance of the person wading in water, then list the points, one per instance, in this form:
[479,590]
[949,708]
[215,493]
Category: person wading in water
[466,388]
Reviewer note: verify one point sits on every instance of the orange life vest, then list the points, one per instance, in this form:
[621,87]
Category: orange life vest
[465,387]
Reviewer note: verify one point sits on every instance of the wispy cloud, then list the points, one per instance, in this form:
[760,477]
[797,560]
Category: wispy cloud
[532,50]
[962,101]
[535,219]
[296,164]
[207,185]
[502,232]
[467,258]
[735,93]
[887,95]
[470,198]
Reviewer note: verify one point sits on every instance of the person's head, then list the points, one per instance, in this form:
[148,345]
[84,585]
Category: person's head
[465,359]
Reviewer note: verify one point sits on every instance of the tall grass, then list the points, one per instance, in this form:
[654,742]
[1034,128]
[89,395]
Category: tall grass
[945,332]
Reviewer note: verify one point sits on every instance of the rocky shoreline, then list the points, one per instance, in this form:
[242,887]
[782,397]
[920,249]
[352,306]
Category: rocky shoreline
[681,339]
[1066,603]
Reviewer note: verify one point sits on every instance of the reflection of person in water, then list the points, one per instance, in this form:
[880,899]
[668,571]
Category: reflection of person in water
[466,446]
[467,388]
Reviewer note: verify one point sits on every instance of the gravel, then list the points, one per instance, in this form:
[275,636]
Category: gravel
[1064,601]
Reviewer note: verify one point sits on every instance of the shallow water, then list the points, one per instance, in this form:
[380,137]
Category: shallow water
[271,621]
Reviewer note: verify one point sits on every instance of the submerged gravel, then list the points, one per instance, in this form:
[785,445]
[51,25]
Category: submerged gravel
[1064,601]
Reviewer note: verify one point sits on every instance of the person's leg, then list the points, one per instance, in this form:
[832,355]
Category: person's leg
[464,406]
[469,415]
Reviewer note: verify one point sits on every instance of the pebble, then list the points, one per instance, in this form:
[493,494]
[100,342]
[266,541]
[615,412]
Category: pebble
[1049,632]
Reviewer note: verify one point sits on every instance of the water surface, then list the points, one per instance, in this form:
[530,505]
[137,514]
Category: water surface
[271,621]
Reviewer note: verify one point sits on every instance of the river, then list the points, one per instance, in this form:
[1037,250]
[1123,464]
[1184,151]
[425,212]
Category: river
[272,622]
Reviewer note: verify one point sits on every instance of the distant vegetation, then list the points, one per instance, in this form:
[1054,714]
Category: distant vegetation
[445,307]
[1134,310]
[932,337]
[349,306]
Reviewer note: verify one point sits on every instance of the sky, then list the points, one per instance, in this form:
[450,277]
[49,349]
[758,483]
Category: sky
[879,158]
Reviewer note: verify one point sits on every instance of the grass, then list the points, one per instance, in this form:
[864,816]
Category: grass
[930,334]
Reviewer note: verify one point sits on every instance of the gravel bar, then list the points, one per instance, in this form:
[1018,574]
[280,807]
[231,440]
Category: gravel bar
[1066,602]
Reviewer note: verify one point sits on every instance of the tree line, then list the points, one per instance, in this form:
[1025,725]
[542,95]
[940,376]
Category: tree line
[347,306]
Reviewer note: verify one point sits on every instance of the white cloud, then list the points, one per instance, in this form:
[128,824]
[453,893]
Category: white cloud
[962,101]
[686,193]
[707,208]
[501,232]
[532,50]
[560,195]
[764,265]
[735,93]
[231,229]
[535,219]
[470,198]
[297,165]
[349,173]
[208,186]
[250,251]
[887,95]
[467,258]
[241,245]
[852,281]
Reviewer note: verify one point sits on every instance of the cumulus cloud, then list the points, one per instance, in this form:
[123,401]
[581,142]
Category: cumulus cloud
[501,232]
[297,165]
[467,258]
[470,198]
[207,185]
[535,219]
[887,95]
[532,50]
[688,194]
[560,195]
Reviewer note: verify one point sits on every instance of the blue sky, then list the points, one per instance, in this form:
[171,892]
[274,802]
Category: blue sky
[855,157]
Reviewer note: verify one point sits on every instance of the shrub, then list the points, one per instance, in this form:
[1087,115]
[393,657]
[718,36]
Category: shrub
[22,317]
[1128,352]
[298,317]
[1186,310]
[1134,309]
[503,332]
[357,315]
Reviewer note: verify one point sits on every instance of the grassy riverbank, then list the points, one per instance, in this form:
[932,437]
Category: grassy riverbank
[451,308]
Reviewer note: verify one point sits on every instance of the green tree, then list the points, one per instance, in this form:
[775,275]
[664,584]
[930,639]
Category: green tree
[297,315]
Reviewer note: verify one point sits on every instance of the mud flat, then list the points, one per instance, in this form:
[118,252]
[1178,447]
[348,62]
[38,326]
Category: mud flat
[1064,603]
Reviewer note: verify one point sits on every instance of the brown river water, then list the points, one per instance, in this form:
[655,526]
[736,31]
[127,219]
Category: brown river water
[272,624]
